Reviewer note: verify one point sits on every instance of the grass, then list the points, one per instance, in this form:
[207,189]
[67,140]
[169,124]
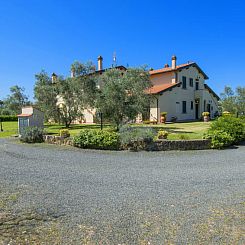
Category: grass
[190,130]
[73,129]
[9,129]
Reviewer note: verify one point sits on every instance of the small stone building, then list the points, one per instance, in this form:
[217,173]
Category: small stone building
[30,117]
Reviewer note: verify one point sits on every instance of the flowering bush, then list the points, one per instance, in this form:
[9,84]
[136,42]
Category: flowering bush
[205,114]
[226,113]
[162,134]
[65,133]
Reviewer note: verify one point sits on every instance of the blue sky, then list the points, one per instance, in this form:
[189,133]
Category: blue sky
[50,35]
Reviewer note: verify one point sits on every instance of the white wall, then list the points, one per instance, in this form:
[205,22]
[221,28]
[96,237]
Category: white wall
[88,115]
[212,100]
[154,110]
[27,110]
[171,101]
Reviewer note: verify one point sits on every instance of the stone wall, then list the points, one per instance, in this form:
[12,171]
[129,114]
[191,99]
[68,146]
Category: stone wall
[58,140]
[159,145]
[166,145]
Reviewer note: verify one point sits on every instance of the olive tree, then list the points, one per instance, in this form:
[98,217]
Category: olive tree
[122,96]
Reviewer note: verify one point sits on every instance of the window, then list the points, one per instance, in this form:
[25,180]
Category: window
[183,106]
[191,105]
[197,85]
[191,82]
[184,82]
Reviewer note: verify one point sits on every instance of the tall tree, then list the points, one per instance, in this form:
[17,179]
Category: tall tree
[46,92]
[65,99]
[80,69]
[16,100]
[69,108]
[233,102]
[240,100]
[76,93]
[122,95]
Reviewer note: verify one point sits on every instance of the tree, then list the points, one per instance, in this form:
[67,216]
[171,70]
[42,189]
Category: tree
[123,94]
[16,100]
[76,93]
[64,100]
[45,93]
[240,91]
[233,102]
[84,84]
[79,69]
[69,108]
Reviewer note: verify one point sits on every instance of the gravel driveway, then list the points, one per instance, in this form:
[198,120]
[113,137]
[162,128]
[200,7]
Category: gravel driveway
[102,197]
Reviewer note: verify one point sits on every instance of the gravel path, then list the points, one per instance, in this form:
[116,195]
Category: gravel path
[100,197]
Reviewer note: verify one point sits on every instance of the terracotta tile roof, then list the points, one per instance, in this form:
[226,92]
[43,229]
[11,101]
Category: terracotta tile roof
[169,69]
[24,115]
[161,88]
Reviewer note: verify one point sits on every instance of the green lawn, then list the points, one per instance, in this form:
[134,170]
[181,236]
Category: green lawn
[74,129]
[9,129]
[190,130]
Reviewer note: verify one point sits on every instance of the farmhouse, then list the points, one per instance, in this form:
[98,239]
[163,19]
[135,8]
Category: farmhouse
[179,90]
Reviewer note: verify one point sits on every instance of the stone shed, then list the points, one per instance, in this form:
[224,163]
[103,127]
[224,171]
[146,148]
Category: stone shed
[30,117]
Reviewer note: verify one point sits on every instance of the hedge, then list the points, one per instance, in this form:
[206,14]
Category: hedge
[8,118]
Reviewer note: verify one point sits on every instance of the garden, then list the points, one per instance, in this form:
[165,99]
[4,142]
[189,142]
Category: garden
[190,130]
[222,132]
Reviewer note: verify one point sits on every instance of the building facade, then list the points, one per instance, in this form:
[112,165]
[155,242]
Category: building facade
[181,91]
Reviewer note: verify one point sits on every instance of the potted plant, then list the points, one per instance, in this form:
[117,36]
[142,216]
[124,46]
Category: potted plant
[205,115]
[162,134]
[226,113]
[163,117]
[64,133]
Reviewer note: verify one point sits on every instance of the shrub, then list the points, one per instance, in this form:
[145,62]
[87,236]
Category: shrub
[8,118]
[32,135]
[226,113]
[162,134]
[205,114]
[219,139]
[135,138]
[235,127]
[97,139]
[163,114]
[225,131]
[65,133]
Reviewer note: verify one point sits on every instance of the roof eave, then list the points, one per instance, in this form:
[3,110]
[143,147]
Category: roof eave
[166,89]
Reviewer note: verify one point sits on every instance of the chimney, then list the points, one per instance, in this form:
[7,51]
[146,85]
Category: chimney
[166,65]
[174,62]
[100,63]
[54,77]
